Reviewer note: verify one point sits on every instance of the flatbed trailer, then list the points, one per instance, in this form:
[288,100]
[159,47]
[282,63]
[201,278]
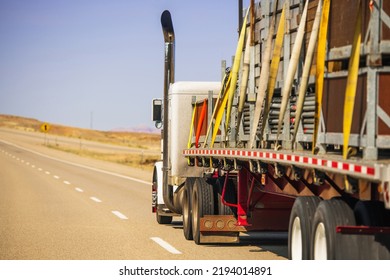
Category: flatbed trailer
[268,152]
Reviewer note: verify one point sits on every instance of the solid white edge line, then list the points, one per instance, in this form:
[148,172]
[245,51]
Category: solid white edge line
[95,199]
[166,245]
[78,165]
[119,215]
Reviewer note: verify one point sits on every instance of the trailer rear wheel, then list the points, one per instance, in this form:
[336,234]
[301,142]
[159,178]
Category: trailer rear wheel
[326,243]
[187,209]
[202,204]
[300,226]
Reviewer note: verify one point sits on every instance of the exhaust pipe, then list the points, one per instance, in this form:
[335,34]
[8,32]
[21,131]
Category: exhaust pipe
[169,77]
[169,39]
[240,16]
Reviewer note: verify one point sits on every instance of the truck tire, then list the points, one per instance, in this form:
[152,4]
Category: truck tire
[326,243]
[187,209]
[163,220]
[202,204]
[300,226]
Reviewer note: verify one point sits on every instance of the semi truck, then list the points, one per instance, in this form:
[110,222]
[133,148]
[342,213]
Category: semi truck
[295,137]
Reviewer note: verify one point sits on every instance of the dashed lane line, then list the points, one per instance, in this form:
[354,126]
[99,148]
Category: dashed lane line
[78,165]
[166,245]
[119,215]
[95,199]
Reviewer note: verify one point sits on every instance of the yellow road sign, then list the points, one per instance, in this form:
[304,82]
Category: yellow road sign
[45,127]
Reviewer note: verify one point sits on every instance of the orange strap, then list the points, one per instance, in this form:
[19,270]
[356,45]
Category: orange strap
[200,123]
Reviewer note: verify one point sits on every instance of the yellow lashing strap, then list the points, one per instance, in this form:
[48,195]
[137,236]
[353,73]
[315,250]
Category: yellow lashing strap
[220,111]
[320,69]
[234,72]
[221,92]
[274,68]
[191,130]
[353,75]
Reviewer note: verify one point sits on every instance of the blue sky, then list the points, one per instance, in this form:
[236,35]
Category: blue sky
[72,61]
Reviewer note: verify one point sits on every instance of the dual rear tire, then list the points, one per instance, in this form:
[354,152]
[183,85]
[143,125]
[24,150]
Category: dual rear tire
[312,230]
[202,198]
[202,204]
[300,226]
[198,201]
[187,209]
[327,244]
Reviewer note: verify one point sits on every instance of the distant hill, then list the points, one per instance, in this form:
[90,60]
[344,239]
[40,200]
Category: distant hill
[141,138]
[140,128]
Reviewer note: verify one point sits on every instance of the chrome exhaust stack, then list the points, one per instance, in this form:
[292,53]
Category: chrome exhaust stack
[169,78]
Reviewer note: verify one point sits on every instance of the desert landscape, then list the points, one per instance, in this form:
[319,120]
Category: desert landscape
[135,149]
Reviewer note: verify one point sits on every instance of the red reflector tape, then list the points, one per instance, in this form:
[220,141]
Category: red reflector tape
[259,155]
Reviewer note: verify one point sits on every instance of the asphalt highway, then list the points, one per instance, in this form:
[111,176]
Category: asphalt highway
[59,206]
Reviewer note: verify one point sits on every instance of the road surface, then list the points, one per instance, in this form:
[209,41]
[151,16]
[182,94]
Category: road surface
[55,205]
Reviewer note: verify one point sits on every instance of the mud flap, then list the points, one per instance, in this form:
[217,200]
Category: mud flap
[219,229]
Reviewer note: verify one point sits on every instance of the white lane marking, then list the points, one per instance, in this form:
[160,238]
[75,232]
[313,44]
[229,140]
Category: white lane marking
[66,182]
[166,245]
[78,165]
[32,166]
[95,199]
[22,161]
[47,172]
[39,169]
[27,163]
[56,177]
[119,215]
[79,190]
